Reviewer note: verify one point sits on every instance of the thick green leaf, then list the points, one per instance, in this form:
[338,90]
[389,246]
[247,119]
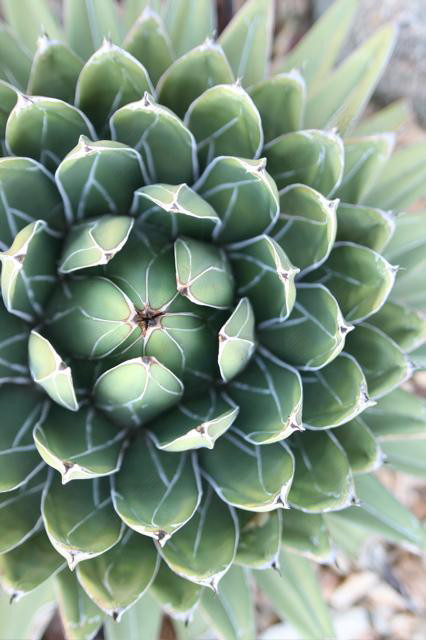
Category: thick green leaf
[365,158]
[311,157]
[203,273]
[136,391]
[260,539]
[265,473]
[418,357]
[237,340]
[281,102]
[398,415]
[360,445]
[225,121]
[80,446]
[335,394]
[269,388]
[406,326]
[318,50]
[29,565]
[296,596]
[265,275]
[203,550]
[189,23]
[118,578]
[79,615]
[83,178]
[20,408]
[20,512]
[45,129]
[111,78]
[29,18]
[307,535]
[30,616]
[178,597]
[29,271]
[8,98]
[306,228]
[50,371]
[408,250]
[384,364]
[360,278]
[407,456]
[26,190]
[366,226]
[15,60]
[14,335]
[381,514]
[231,612]
[247,40]
[80,323]
[145,616]
[152,130]
[178,209]
[313,335]
[195,423]
[54,71]
[155,492]
[79,518]
[87,22]
[390,118]
[90,244]
[132,10]
[340,100]
[149,43]
[243,195]
[318,488]
[403,180]
[191,75]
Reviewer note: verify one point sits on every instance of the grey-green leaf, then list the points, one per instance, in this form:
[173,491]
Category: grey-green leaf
[384,364]
[149,43]
[169,484]
[189,23]
[280,101]
[260,539]
[306,227]
[79,518]
[243,195]
[80,446]
[340,100]
[152,129]
[265,473]
[195,423]
[269,388]
[306,534]
[247,40]
[265,275]
[318,488]
[54,71]
[237,340]
[193,73]
[367,226]
[111,78]
[79,614]
[136,391]
[335,394]
[87,22]
[118,578]
[94,243]
[45,129]
[312,157]
[225,121]
[313,335]
[192,551]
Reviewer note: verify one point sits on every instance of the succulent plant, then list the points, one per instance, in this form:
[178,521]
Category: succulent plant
[204,327]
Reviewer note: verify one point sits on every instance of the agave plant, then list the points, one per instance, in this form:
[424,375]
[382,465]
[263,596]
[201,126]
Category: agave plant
[201,297]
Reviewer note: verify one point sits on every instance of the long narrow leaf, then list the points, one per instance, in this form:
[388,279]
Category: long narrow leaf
[189,23]
[30,19]
[296,596]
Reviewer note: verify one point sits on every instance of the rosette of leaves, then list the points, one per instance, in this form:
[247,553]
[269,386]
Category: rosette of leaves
[201,338]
